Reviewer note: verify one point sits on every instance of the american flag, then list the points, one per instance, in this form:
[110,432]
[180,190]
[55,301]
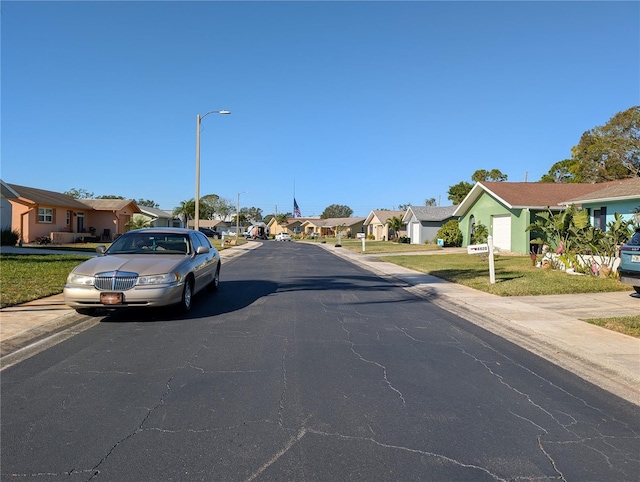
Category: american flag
[296,209]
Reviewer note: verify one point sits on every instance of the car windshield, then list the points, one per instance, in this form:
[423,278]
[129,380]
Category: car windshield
[150,243]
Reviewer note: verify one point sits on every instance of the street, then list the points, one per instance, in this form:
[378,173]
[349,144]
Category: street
[306,367]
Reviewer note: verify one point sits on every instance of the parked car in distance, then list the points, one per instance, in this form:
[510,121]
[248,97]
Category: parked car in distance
[283,237]
[629,268]
[210,233]
[145,268]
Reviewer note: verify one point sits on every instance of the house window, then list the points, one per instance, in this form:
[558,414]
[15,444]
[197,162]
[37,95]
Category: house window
[45,215]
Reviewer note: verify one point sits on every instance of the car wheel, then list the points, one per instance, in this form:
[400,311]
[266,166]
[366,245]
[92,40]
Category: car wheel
[187,296]
[637,288]
[216,280]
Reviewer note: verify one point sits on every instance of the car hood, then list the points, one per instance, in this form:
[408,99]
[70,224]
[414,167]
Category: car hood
[143,265]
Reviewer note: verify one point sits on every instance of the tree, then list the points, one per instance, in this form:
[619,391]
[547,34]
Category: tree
[79,193]
[401,207]
[336,211]
[459,191]
[186,211]
[213,206]
[611,151]
[492,175]
[430,202]
[395,224]
[148,203]
[253,214]
[110,196]
[563,171]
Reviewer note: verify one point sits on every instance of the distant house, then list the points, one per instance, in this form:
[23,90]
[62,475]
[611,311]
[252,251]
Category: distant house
[508,208]
[348,227]
[424,222]
[159,218]
[37,213]
[621,196]
[293,226]
[376,224]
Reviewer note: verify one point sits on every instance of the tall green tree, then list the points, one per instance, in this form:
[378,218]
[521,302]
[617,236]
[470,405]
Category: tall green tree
[336,211]
[459,191]
[430,202]
[186,211]
[567,170]
[607,152]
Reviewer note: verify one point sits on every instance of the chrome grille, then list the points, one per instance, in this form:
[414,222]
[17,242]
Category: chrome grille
[115,280]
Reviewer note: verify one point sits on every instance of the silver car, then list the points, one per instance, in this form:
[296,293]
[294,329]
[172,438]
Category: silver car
[147,268]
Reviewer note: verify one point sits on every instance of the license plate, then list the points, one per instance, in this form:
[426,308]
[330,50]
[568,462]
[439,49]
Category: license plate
[635,258]
[111,298]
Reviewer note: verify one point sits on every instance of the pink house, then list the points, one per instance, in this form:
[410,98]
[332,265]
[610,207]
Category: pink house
[38,213]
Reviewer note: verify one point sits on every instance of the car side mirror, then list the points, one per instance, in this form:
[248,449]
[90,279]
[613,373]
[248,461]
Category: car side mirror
[100,249]
[202,250]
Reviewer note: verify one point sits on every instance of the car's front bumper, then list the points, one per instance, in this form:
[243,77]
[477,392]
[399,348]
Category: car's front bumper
[79,297]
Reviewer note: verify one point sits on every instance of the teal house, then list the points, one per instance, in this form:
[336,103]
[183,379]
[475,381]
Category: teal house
[507,208]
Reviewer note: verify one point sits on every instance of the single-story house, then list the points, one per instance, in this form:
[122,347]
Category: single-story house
[508,208]
[424,222]
[159,218]
[376,225]
[621,196]
[348,227]
[37,213]
[293,226]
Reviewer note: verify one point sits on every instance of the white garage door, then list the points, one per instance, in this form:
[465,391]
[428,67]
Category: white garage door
[502,232]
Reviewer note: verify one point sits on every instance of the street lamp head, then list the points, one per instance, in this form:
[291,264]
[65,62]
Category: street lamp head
[225,112]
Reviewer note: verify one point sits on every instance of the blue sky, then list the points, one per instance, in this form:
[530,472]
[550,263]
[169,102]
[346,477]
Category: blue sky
[366,104]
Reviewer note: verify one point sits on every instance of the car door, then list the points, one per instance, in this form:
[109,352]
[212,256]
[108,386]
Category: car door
[204,264]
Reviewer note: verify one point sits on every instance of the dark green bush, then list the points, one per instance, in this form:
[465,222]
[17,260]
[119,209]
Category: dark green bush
[9,237]
[404,240]
[450,233]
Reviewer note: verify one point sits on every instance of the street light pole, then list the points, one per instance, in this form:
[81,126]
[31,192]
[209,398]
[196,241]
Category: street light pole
[196,223]
[238,217]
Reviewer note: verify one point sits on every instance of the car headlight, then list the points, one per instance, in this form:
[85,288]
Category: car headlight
[158,279]
[80,279]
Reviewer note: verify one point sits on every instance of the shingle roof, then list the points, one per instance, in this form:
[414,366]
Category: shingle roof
[538,194]
[432,213]
[383,215]
[333,222]
[615,190]
[109,204]
[48,198]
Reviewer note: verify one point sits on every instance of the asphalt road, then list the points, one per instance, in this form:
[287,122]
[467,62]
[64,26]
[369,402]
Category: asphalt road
[306,367]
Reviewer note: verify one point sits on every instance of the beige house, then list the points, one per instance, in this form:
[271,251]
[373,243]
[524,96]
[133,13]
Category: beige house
[293,226]
[376,225]
[37,213]
[348,227]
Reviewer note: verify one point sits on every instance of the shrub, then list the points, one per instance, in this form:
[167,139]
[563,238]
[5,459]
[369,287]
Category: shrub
[480,234]
[404,240]
[9,237]
[450,233]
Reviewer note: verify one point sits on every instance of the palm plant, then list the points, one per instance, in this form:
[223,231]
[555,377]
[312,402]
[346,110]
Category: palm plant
[395,224]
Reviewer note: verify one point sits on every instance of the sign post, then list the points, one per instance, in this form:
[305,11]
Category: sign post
[492,265]
[485,248]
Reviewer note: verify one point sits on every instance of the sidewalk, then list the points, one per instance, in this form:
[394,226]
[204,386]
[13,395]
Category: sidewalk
[548,326]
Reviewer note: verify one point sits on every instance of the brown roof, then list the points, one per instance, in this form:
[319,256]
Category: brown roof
[539,194]
[46,198]
[110,204]
[619,189]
